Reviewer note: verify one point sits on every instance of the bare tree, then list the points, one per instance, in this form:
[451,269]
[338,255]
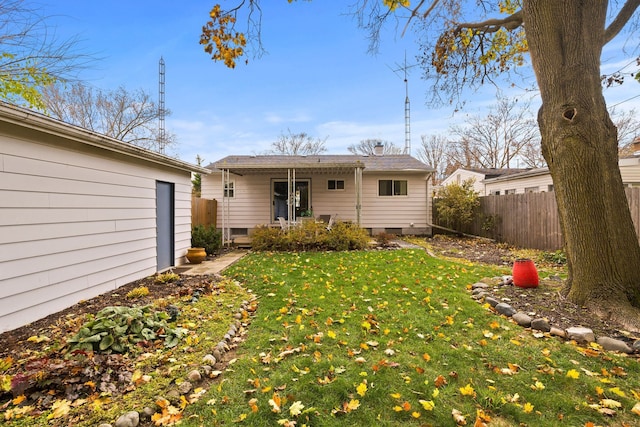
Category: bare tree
[31,57]
[298,144]
[128,116]
[367,147]
[628,129]
[434,151]
[507,132]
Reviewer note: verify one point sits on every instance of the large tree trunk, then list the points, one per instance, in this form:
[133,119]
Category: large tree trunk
[579,143]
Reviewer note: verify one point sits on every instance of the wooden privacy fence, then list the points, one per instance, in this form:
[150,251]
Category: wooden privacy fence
[203,211]
[529,220]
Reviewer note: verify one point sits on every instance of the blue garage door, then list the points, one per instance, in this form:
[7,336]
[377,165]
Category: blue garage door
[165,224]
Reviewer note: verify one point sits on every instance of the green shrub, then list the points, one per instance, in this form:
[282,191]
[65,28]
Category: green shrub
[456,204]
[310,236]
[345,236]
[118,329]
[206,237]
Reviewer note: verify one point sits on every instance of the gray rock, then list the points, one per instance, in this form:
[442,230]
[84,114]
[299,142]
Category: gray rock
[209,359]
[491,301]
[506,309]
[130,419]
[522,319]
[636,346]
[147,413]
[540,325]
[185,386]
[477,291]
[612,344]
[194,375]
[479,295]
[558,332]
[479,285]
[580,334]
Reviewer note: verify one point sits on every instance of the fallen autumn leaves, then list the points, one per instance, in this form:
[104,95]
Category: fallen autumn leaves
[391,338]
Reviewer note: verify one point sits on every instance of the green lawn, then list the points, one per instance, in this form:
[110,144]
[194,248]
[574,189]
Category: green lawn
[390,338]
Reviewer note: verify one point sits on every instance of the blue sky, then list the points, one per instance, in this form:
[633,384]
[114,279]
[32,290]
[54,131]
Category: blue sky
[316,77]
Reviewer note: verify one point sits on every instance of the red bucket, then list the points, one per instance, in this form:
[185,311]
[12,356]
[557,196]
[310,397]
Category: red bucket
[525,274]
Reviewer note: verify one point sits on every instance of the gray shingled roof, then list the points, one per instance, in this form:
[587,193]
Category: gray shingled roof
[321,163]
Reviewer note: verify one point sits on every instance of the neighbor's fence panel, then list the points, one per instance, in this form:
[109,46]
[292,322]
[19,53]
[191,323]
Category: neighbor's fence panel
[204,211]
[529,220]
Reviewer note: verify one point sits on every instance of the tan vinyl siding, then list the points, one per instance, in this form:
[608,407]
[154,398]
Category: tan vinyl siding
[252,202]
[395,211]
[341,203]
[76,221]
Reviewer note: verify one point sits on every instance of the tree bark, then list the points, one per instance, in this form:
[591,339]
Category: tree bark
[579,143]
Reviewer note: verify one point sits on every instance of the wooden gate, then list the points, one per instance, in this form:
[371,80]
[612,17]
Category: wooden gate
[204,211]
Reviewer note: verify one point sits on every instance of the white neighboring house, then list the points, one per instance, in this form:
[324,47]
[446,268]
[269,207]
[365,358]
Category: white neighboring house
[539,180]
[82,214]
[479,175]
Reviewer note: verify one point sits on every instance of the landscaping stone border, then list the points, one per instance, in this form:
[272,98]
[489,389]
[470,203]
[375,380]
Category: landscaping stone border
[235,335]
[481,292]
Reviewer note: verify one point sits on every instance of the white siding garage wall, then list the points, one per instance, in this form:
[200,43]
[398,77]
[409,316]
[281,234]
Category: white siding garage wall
[76,220]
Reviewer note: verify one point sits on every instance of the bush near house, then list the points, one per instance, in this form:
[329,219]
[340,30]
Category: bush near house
[456,204]
[208,238]
[311,236]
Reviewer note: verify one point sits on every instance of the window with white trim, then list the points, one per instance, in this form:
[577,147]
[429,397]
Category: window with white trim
[392,187]
[335,184]
[229,189]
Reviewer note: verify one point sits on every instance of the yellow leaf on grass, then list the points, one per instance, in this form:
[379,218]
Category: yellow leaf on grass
[396,395]
[415,414]
[610,403]
[361,389]
[352,405]
[427,405]
[426,357]
[331,334]
[527,408]
[572,373]
[636,408]
[467,390]
[617,391]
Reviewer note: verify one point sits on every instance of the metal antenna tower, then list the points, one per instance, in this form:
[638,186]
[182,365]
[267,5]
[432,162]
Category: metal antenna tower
[161,109]
[407,105]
